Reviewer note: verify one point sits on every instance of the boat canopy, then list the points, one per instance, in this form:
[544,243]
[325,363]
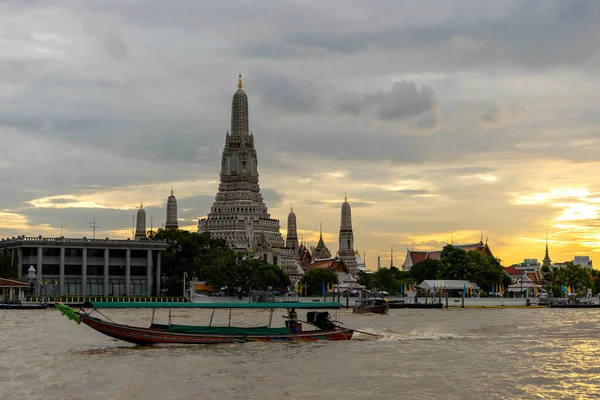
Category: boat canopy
[141,304]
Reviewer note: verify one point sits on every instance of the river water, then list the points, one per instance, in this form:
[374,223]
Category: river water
[424,354]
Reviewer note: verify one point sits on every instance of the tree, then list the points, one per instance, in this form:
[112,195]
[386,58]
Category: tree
[186,250]
[8,268]
[391,279]
[426,269]
[576,277]
[316,278]
[453,263]
[365,279]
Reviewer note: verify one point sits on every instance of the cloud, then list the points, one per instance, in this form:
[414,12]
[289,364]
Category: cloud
[404,100]
[412,192]
[106,103]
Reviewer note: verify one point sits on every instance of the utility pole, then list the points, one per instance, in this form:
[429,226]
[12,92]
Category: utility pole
[94,225]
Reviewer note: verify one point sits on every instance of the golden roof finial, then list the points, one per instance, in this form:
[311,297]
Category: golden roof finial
[291,208]
[345,197]
[141,203]
[171,190]
[240,81]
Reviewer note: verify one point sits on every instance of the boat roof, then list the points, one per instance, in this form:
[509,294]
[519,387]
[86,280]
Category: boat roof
[299,305]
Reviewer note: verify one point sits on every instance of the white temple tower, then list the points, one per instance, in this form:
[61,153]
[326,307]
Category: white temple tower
[291,241]
[140,227]
[346,238]
[171,222]
[239,214]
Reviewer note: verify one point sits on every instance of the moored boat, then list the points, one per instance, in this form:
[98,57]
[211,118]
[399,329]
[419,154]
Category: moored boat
[371,305]
[324,328]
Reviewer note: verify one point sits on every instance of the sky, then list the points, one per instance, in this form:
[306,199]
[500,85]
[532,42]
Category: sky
[442,123]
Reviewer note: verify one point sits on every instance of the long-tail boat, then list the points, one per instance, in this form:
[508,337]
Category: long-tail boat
[324,328]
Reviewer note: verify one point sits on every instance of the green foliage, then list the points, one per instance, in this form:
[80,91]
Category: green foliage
[232,271]
[365,279]
[391,280]
[314,280]
[212,260]
[8,269]
[574,276]
[426,269]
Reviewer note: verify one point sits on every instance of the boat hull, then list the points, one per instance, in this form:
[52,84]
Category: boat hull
[378,309]
[415,305]
[150,336]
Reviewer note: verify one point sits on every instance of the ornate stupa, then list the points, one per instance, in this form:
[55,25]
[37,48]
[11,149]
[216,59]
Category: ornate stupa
[140,226]
[291,241]
[346,238]
[239,214]
[171,222]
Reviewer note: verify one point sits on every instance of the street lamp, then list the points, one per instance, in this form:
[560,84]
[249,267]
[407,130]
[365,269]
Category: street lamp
[185,274]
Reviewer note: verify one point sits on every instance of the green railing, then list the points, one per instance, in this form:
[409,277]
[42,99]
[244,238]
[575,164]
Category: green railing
[82,299]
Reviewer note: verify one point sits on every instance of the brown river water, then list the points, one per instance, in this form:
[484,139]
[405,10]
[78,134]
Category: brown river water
[423,354]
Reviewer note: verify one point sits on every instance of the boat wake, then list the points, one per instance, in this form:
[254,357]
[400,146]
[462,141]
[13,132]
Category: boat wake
[427,333]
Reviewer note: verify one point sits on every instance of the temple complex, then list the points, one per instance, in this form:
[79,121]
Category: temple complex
[171,222]
[239,214]
[414,257]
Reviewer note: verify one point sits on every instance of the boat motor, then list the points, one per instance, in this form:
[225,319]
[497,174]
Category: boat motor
[321,320]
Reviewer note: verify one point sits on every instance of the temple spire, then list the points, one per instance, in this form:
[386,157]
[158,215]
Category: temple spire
[547,262]
[240,85]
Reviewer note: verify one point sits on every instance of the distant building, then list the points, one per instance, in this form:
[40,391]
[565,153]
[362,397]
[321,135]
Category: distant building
[103,267]
[171,222]
[140,226]
[346,238]
[334,264]
[528,265]
[583,261]
[414,257]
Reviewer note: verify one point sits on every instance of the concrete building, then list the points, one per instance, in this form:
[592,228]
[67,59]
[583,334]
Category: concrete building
[102,267]
[583,261]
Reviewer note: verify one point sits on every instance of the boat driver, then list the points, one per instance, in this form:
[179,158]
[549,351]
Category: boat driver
[292,320]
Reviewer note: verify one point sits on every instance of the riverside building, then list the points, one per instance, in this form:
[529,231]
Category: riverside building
[88,267]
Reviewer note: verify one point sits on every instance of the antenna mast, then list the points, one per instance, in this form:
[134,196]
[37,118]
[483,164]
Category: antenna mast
[94,225]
